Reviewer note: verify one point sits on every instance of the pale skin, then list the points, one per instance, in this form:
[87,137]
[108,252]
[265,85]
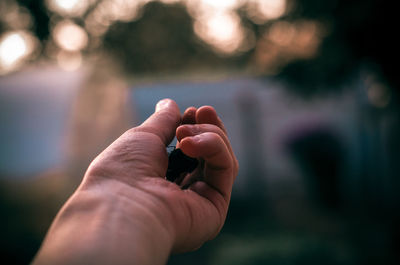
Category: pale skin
[125,212]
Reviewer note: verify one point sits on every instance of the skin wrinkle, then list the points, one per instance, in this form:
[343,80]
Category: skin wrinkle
[126,154]
[106,174]
[138,201]
[144,206]
[161,200]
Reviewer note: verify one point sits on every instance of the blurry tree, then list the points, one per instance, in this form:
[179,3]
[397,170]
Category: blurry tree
[162,41]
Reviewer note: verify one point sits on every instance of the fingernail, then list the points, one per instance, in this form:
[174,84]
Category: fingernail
[162,104]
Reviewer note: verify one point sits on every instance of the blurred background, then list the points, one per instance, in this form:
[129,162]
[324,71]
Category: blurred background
[308,91]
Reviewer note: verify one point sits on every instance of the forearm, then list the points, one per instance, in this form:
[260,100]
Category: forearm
[95,228]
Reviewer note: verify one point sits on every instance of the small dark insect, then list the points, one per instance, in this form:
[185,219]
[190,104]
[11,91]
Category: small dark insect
[179,163]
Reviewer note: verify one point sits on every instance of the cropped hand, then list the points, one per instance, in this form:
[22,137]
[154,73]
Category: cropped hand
[125,211]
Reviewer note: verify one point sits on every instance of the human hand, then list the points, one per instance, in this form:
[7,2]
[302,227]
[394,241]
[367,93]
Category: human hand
[132,211]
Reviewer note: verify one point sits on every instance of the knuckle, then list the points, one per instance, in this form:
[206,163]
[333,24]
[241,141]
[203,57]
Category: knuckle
[214,136]
[212,127]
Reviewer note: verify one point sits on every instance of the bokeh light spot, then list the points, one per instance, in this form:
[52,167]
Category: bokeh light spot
[67,4]
[12,49]
[70,36]
[15,47]
[69,7]
[223,4]
[222,30]
[261,11]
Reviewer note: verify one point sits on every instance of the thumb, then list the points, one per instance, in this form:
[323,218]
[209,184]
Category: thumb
[164,121]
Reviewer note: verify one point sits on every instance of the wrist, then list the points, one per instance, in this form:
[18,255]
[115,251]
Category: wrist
[108,224]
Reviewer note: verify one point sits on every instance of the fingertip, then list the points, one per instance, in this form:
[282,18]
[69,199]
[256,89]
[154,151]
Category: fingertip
[166,103]
[168,108]
[164,121]
[189,116]
[207,114]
